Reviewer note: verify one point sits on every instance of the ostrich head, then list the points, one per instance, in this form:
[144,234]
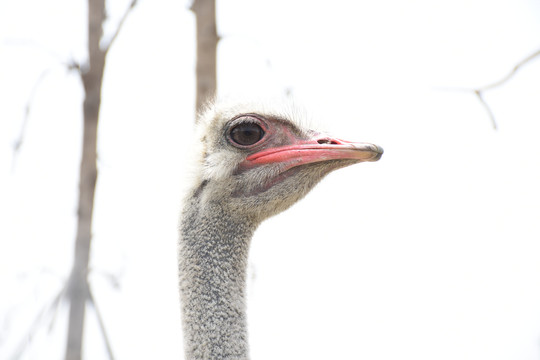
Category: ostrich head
[255,161]
[259,161]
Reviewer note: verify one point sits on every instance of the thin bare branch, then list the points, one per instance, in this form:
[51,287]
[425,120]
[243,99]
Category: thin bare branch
[113,279]
[488,109]
[508,76]
[102,326]
[19,141]
[120,24]
[479,92]
[32,45]
[49,309]
[28,106]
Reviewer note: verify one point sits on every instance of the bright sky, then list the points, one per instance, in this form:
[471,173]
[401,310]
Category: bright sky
[431,253]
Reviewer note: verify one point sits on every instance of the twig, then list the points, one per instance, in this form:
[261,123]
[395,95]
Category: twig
[33,45]
[113,279]
[479,92]
[101,325]
[72,65]
[55,307]
[488,109]
[47,309]
[19,141]
[508,76]
[120,25]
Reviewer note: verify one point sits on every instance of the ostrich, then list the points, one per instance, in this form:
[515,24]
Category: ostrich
[254,162]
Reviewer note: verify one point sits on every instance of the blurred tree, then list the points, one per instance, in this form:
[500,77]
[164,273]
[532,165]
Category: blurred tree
[207,40]
[78,290]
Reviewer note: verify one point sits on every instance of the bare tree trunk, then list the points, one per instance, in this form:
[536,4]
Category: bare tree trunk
[207,40]
[78,290]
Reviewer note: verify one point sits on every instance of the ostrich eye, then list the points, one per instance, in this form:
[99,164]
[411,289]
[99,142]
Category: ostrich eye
[246,134]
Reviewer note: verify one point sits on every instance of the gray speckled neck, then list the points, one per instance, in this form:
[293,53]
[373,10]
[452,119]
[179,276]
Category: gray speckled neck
[213,255]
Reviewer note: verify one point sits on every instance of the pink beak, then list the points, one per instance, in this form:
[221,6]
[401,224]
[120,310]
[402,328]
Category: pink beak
[315,150]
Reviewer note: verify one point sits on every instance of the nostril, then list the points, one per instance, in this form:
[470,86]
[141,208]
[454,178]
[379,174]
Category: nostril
[327,141]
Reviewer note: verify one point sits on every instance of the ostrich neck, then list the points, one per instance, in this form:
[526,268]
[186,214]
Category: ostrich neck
[213,256]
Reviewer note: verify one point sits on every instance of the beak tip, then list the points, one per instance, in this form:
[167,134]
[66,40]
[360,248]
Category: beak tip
[377,152]
[377,157]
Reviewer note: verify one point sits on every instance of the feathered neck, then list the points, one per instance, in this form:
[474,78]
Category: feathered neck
[213,255]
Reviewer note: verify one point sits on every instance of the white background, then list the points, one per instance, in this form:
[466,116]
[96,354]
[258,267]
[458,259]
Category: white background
[431,253]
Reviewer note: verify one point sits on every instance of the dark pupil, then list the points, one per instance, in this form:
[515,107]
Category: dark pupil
[247,134]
